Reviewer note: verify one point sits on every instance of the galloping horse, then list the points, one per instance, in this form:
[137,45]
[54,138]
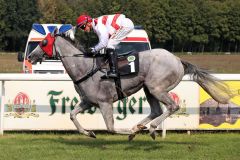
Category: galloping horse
[159,72]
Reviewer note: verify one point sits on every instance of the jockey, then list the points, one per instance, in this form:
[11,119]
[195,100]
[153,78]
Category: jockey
[110,29]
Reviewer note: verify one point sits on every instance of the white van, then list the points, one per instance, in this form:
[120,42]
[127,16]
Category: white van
[137,40]
[36,35]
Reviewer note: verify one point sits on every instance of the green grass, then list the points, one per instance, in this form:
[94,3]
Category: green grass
[74,146]
[9,63]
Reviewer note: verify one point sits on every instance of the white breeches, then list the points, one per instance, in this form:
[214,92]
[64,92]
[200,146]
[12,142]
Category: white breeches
[119,35]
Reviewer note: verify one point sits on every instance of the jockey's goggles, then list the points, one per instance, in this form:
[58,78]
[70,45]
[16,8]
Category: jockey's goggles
[83,26]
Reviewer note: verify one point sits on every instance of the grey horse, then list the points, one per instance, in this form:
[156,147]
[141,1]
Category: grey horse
[159,72]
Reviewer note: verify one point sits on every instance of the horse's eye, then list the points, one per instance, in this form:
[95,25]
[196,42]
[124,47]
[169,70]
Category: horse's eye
[44,42]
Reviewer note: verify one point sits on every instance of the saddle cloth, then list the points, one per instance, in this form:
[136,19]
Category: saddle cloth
[128,63]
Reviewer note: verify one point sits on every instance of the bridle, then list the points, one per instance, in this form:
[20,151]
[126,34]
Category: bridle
[89,74]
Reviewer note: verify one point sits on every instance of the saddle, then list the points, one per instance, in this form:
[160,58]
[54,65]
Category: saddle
[128,64]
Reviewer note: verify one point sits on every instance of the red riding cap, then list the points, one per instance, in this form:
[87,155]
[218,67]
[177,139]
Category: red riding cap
[82,19]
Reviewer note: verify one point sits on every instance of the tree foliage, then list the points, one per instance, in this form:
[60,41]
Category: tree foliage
[16,21]
[2,24]
[177,25]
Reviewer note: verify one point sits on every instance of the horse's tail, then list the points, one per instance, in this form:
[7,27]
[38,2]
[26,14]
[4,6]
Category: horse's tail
[216,88]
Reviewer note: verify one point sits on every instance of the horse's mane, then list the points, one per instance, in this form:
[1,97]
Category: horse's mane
[75,43]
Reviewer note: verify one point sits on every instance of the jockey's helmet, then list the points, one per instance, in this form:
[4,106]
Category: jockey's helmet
[82,20]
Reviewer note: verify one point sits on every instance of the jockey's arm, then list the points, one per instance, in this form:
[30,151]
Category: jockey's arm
[103,38]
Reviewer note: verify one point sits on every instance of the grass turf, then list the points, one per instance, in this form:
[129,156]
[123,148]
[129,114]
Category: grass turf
[9,63]
[74,146]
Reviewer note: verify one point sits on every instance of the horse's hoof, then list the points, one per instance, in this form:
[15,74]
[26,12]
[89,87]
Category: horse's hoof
[91,134]
[153,134]
[141,127]
[131,136]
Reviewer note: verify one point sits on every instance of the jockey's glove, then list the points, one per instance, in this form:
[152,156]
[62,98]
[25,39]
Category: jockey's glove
[71,33]
[91,51]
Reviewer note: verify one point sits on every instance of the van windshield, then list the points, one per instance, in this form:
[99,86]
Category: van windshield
[124,47]
[32,46]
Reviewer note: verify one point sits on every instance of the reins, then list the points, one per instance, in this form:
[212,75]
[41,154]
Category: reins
[75,55]
[89,73]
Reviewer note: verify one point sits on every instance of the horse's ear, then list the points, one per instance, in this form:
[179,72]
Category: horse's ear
[55,31]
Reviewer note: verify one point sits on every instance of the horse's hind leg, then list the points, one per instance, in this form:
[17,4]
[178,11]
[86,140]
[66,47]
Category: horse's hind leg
[171,108]
[155,112]
[73,116]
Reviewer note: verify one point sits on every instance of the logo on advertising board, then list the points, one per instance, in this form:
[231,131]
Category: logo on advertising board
[214,115]
[132,105]
[182,103]
[21,107]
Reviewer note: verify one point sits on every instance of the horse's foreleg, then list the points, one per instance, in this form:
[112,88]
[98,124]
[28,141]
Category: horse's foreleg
[155,112]
[73,116]
[107,113]
[171,108]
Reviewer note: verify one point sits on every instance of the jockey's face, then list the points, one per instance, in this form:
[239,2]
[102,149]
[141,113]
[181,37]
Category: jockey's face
[88,27]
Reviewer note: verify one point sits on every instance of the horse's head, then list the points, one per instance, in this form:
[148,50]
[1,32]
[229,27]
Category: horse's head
[45,48]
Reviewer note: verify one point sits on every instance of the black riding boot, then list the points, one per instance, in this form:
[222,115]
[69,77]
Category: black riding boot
[112,58]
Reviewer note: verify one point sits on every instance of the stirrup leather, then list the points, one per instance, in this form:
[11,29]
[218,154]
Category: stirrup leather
[109,74]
